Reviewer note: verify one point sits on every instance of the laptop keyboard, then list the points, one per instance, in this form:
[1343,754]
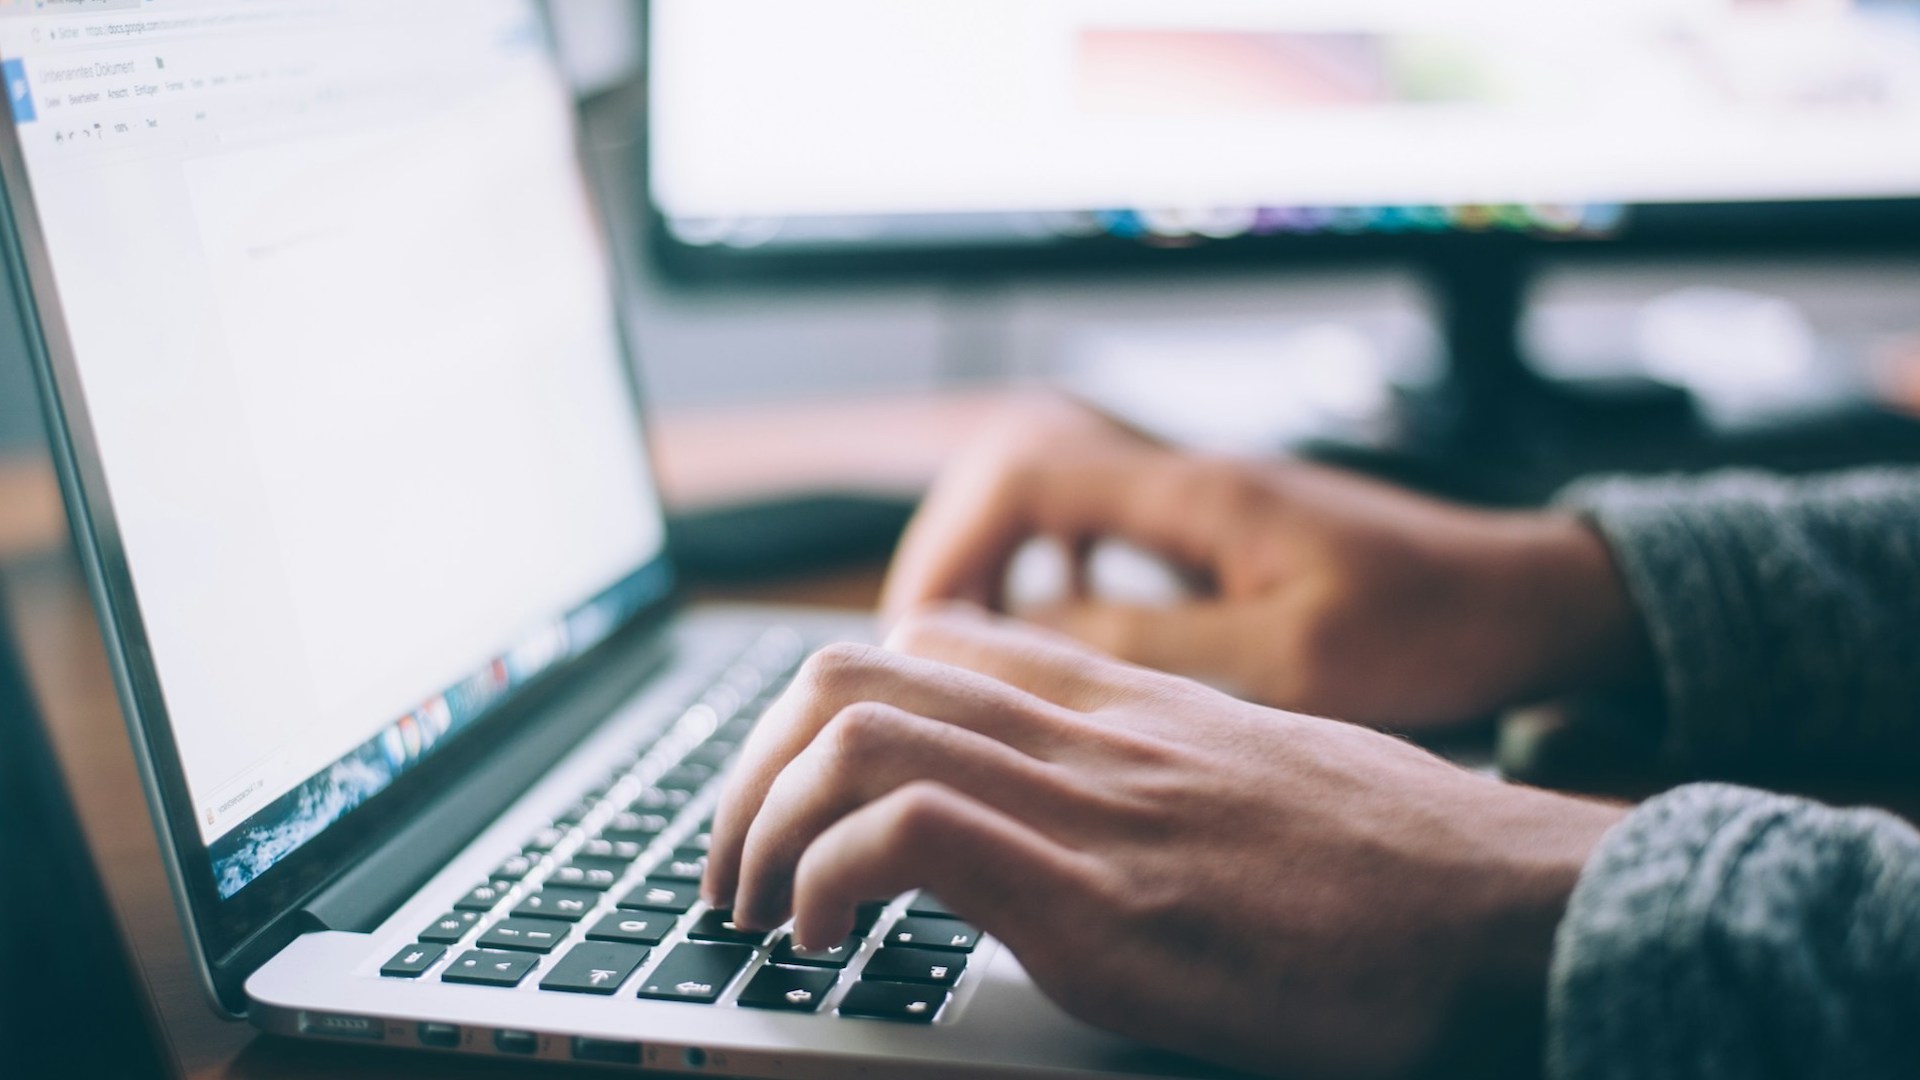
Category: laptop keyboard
[605,900]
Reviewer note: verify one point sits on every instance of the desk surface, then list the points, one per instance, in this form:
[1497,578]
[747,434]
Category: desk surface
[704,458]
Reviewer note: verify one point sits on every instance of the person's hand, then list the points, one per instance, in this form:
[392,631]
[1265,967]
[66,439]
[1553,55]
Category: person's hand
[1321,591]
[1248,886]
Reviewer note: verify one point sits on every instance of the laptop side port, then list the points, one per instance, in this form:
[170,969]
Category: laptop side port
[516,1042]
[342,1026]
[439,1036]
[606,1051]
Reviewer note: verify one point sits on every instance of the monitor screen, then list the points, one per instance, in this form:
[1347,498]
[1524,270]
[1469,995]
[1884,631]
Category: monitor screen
[862,123]
[341,319]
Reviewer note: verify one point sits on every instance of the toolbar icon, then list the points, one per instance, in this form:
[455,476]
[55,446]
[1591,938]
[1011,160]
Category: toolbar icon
[19,92]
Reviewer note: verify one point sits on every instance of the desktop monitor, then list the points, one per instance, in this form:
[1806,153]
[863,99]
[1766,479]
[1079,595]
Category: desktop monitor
[1026,127]
[1004,137]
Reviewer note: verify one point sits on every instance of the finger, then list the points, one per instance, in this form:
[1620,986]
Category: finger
[991,869]
[864,753]
[959,545]
[1199,639]
[843,675]
[1042,662]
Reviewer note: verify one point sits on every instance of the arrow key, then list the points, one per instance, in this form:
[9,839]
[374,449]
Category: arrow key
[595,968]
[790,989]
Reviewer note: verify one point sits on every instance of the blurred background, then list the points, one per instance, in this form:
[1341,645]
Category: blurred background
[1481,246]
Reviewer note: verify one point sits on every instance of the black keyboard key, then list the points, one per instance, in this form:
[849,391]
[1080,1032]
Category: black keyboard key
[717,925]
[893,1001]
[633,927]
[412,961]
[595,968]
[866,915]
[930,966]
[925,903]
[696,973]
[950,935]
[523,935]
[482,968]
[634,826]
[617,850]
[652,895]
[833,956]
[589,873]
[557,902]
[515,868]
[789,989]
[450,927]
[483,897]
[684,865]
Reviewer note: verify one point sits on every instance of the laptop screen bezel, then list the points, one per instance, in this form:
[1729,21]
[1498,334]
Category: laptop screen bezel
[220,929]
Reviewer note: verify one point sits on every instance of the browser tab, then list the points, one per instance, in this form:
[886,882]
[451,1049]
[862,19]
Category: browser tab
[69,7]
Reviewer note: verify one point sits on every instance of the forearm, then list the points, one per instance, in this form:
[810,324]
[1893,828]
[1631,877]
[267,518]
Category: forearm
[1724,932]
[1783,617]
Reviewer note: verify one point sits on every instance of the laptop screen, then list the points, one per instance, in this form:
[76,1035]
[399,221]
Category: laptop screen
[342,318]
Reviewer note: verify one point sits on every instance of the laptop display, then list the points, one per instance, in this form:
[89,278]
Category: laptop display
[349,397]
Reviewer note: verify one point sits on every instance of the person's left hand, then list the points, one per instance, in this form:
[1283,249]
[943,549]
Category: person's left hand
[1254,887]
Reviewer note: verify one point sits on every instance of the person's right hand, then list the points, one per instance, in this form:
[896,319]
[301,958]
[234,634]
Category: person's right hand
[1326,593]
[1296,896]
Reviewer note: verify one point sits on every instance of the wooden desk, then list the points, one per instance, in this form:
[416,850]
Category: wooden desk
[886,445]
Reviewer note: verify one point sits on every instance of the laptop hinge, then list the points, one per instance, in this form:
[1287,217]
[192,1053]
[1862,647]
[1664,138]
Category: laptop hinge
[366,894]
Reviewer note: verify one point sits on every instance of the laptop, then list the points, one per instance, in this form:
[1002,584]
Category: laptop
[327,332]
[69,972]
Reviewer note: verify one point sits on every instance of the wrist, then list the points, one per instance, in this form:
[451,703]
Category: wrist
[1497,1021]
[1577,624]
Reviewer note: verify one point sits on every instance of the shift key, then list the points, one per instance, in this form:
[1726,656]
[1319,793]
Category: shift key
[695,972]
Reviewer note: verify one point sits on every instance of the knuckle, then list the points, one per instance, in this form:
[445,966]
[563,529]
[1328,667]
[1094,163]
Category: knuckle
[860,734]
[922,811]
[835,667]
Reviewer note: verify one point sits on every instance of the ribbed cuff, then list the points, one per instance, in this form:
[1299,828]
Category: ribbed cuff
[1726,932]
[1680,546]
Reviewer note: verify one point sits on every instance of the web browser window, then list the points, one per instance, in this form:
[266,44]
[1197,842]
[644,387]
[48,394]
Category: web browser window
[352,367]
[1230,116]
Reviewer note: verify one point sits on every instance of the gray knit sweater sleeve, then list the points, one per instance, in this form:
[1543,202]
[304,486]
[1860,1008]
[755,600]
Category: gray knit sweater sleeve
[1725,932]
[1721,932]
[1784,616]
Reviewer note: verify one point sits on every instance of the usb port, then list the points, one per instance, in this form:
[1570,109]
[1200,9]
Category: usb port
[516,1042]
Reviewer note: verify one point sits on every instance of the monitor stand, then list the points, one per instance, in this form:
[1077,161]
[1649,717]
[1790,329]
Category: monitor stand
[1496,431]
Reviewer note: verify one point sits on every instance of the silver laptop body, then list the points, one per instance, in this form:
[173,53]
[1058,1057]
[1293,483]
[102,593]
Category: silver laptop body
[327,337]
